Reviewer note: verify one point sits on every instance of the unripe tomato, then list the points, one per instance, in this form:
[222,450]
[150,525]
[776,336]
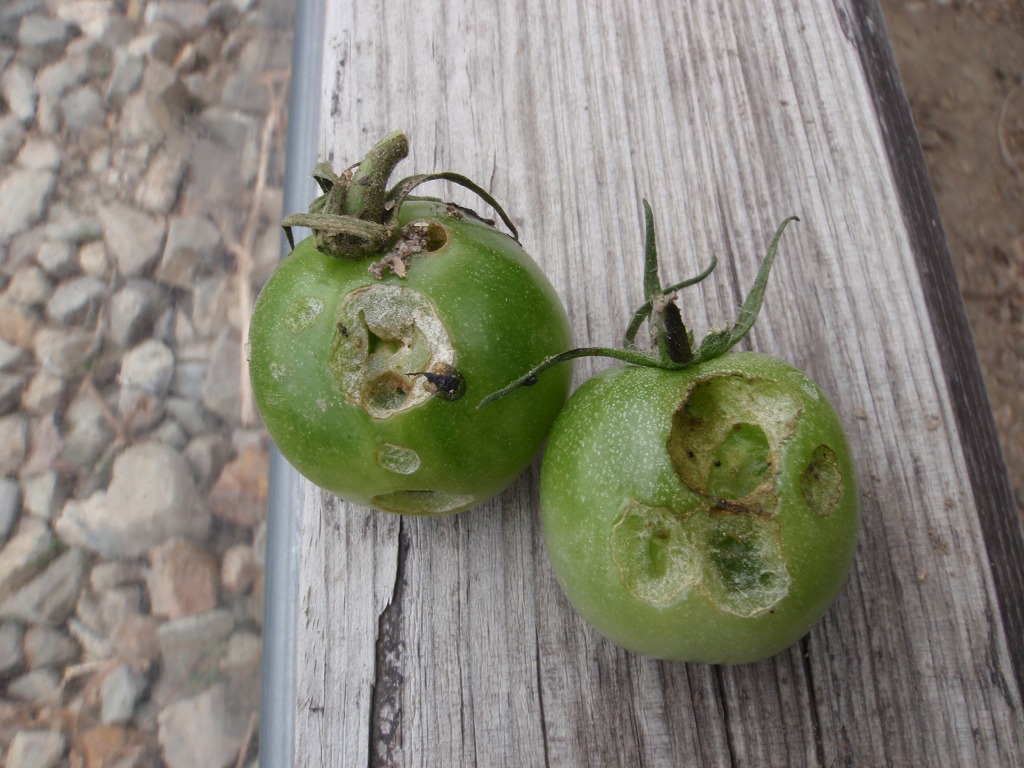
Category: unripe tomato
[708,514]
[367,370]
[697,504]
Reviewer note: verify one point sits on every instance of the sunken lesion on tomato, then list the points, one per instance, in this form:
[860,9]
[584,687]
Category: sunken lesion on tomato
[725,443]
[423,502]
[733,560]
[821,482]
[726,438]
[388,345]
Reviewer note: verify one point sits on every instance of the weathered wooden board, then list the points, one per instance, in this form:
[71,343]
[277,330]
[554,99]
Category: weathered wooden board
[447,641]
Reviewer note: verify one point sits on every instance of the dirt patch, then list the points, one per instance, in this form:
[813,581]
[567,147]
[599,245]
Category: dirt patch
[962,65]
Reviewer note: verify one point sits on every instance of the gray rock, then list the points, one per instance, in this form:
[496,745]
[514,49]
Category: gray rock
[242,88]
[57,257]
[36,749]
[41,38]
[133,308]
[18,89]
[189,378]
[242,654]
[49,115]
[93,57]
[119,693]
[151,498]
[134,238]
[72,226]
[146,373]
[14,438]
[10,505]
[40,687]
[156,107]
[182,579]
[29,286]
[48,647]
[239,568]
[127,75]
[23,557]
[44,393]
[83,109]
[187,645]
[94,646]
[267,255]
[111,574]
[94,17]
[190,415]
[11,386]
[43,493]
[159,188]
[17,324]
[57,77]
[66,350]
[12,357]
[39,155]
[160,41]
[88,433]
[24,194]
[194,247]
[189,15]
[11,655]
[51,596]
[76,301]
[119,603]
[148,366]
[12,134]
[171,433]
[202,730]
[93,260]
[214,299]
[207,454]
[222,389]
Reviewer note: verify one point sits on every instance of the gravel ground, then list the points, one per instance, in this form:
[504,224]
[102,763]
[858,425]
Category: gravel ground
[140,194]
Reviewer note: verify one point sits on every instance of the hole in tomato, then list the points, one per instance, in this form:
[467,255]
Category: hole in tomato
[384,331]
[724,437]
[388,392]
[436,237]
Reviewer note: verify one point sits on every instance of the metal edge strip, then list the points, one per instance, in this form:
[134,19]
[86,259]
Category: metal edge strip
[284,521]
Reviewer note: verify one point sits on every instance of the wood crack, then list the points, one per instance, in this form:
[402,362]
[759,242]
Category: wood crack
[386,699]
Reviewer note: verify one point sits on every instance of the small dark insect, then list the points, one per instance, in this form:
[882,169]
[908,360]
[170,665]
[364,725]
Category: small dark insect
[448,383]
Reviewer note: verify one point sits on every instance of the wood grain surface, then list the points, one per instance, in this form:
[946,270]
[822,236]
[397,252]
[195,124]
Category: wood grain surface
[447,641]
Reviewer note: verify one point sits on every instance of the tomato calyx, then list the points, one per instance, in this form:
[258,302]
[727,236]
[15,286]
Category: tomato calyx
[357,215]
[673,343]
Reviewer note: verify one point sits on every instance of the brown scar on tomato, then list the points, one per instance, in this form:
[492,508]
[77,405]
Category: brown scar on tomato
[417,238]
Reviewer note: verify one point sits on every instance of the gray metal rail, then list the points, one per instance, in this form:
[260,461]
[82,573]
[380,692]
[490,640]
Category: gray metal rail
[277,708]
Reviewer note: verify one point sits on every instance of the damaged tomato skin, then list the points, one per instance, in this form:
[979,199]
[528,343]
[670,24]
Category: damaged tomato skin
[609,446]
[501,314]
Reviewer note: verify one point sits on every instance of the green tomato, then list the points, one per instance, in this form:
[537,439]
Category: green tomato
[366,383]
[707,514]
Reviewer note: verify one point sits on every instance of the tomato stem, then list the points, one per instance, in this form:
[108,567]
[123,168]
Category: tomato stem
[632,356]
[368,188]
[673,341]
[357,216]
[641,314]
